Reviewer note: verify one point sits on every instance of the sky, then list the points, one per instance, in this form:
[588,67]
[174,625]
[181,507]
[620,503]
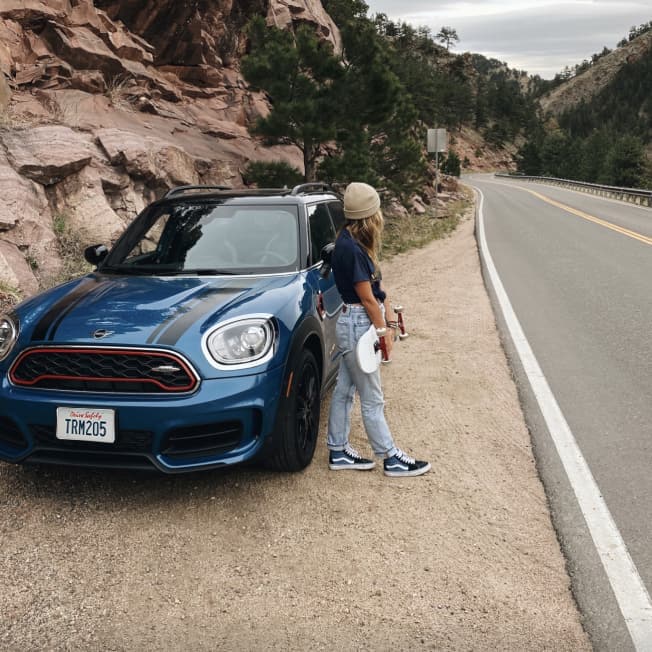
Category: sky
[541,37]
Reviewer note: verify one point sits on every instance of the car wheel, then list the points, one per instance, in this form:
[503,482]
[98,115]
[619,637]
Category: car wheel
[298,423]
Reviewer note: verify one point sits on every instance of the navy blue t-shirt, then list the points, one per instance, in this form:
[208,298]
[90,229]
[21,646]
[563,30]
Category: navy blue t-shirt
[351,264]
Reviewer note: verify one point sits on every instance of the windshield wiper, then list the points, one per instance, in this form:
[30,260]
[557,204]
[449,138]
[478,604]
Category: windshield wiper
[161,270]
[210,272]
[127,269]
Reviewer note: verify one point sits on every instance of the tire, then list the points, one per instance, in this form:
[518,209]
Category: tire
[297,428]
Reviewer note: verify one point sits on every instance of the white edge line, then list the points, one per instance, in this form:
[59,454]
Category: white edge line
[629,590]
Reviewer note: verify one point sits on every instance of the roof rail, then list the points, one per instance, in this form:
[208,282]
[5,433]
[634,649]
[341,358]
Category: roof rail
[301,188]
[180,190]
[310,187]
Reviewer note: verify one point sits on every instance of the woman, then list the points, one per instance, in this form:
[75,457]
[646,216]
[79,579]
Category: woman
[354,265]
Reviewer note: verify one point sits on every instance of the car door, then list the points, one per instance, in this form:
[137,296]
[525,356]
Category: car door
[327,299]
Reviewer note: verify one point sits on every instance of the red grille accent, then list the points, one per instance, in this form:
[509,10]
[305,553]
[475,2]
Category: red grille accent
[103,370]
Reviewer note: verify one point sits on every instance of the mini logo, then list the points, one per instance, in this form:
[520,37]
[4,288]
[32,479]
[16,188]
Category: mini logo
[101,333]
[166,369]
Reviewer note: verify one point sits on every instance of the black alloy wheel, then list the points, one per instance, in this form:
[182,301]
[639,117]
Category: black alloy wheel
[295,437]
[307,406]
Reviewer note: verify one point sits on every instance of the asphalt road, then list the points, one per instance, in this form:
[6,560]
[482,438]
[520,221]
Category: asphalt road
[578,273]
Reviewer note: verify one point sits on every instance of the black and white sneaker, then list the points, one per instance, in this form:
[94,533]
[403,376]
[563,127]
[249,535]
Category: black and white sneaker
[400,465]
[349,458]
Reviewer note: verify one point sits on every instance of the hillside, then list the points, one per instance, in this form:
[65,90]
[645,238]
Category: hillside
[588,84]
[597,126]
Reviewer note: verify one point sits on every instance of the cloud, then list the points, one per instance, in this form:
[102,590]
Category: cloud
[541,37]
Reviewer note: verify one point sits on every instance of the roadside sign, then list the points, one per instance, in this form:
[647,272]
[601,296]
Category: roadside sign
[437,140]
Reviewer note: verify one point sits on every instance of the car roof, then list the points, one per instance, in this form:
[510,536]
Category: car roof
[303,193]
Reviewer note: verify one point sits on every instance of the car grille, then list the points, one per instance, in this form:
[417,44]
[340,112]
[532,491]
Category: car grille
[107,370]
[91,459]
[131,450]
[197,441]
[133,441]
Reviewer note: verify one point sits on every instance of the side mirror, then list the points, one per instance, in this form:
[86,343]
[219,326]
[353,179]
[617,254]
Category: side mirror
[95,254]
[326,253]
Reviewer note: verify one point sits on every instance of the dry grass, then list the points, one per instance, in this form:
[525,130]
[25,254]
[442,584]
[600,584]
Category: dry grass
[71,253]
[118,91]
[9,297]
[404,233]
[5,120]
[9,120]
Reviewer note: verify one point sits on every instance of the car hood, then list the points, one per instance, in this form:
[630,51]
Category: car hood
[153,311]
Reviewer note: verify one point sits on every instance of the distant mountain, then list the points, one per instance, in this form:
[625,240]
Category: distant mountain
[596,126]
[587,85]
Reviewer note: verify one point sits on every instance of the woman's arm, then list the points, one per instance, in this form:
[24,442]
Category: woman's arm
[390,315]
[370,303]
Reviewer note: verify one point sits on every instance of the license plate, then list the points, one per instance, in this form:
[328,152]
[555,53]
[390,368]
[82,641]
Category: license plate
[86,424]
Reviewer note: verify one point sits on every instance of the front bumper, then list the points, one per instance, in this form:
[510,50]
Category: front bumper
[225,422]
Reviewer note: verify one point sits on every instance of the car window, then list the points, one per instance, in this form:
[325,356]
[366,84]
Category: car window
[205,237]
[145,248]
[322,230]
[337,213]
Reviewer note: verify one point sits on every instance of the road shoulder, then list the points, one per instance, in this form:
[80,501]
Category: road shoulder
[451,395]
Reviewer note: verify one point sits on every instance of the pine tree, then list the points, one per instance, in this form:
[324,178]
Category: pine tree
[554,155]
[528,159]
[625,163]
[378,135]
[298,72]
[451,164]
[447,36]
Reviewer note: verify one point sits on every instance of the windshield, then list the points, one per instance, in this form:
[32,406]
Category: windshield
[209,238]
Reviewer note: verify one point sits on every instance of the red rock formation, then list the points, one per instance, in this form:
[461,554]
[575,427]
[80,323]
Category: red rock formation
[104,106]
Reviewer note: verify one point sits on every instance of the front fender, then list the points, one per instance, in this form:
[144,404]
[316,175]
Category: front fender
[307,335]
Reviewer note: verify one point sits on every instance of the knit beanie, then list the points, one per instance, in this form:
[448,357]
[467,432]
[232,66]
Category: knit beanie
[360,201]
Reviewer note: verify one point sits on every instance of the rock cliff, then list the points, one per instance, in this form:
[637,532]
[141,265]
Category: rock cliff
[105,105]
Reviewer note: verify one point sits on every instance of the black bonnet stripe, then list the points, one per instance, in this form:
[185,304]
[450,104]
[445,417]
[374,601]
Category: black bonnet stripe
[53,317]
[187,318]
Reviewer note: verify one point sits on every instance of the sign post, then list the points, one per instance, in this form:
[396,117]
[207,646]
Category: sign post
[437,142]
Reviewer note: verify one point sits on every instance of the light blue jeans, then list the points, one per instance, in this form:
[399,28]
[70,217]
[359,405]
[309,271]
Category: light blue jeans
[351,325]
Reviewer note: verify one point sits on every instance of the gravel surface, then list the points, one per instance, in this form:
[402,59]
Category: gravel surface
[463,558]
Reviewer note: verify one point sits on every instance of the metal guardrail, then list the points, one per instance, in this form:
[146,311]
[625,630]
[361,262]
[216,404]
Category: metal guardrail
[638,196]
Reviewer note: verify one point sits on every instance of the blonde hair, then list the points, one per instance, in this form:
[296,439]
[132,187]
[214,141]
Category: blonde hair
[368,233]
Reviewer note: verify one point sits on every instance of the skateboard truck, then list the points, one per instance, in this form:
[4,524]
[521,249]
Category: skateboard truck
[381,346]
[402,333]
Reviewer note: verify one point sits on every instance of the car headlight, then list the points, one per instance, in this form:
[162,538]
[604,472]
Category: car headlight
[241,341]
[8,333]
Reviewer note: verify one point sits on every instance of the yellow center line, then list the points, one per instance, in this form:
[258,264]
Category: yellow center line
[591,218]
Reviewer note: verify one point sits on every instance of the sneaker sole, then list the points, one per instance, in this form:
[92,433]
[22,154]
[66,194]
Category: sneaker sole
[407,474]
[352,467]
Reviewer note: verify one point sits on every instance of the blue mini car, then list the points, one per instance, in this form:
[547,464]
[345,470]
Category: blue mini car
[205,337]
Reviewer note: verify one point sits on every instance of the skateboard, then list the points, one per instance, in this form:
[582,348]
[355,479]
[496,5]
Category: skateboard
[370,350]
